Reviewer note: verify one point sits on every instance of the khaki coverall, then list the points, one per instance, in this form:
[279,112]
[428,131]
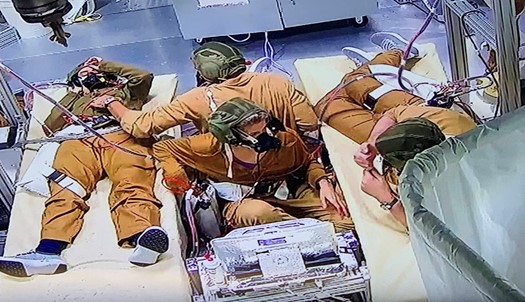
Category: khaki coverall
[204,153]
[347,115]
[346,112]
[274,93]
[133,205]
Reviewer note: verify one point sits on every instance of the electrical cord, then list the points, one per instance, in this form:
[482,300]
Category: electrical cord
[406,55]
[248,37]
[269,54]
[333,94]
[425,10]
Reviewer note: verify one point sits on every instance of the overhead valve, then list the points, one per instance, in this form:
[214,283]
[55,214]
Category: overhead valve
[47,12]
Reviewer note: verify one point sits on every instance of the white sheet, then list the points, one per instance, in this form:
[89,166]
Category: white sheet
[393,268]
[99,268]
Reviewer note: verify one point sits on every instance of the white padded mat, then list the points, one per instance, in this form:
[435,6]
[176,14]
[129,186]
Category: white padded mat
[99,268]
[393,268]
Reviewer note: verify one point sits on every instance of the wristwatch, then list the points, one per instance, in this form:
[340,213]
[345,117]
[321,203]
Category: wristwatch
[387,206]
[109,100]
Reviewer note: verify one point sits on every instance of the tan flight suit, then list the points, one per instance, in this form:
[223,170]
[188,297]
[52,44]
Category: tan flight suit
[346,113]
[275,93]
[203,153]
[133,205]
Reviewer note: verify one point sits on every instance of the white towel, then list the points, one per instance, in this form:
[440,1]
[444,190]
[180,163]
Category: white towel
[212,3]
[425,92]
[34,181]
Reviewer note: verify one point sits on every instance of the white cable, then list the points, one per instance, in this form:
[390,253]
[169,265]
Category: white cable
[241,41]
[269,54]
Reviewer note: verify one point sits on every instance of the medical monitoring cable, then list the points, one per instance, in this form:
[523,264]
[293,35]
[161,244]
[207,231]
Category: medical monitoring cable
[406,55]
[68,113]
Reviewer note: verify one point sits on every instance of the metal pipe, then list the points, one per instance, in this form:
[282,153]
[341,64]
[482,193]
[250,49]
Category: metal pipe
[507,37]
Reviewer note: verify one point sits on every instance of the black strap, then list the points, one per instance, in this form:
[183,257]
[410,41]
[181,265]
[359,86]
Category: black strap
[370,102]
[56,176]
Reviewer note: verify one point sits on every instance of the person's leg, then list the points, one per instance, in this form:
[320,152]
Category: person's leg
[63,216]
[357,84]
[350,119]
[252,212]
[134,209]
[307,204]
[346,112]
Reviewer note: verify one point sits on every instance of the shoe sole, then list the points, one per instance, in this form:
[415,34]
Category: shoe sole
[155,240]
[17,269]
[400,39]
[357,51]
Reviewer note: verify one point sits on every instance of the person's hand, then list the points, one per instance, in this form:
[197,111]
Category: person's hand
[93,61]
[364,156]
[329,195]
[86,70]
[100,101]
[375,185]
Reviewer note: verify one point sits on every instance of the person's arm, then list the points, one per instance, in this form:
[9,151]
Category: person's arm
[55,121]
[378,187]
[144,124]
[398,211]
[305,117]
[139,80]
[174,156]
[383,124]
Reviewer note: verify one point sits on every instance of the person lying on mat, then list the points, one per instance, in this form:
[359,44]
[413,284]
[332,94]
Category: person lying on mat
[80,164]
[260,169]
[355,109]
[396,138]
[222,75]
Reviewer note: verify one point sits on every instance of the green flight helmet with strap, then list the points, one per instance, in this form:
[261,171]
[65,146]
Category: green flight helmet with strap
[228,115]
[405,140]
[216,62]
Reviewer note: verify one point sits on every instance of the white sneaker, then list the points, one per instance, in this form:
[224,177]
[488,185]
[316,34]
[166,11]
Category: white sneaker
[358,56]
[32,263]
[152,243]
[390,41]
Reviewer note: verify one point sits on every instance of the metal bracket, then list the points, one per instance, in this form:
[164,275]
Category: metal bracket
[421,5]
[503,38]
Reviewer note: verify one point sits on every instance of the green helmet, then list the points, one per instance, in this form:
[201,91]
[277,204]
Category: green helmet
[228,115]
[216,62]
[404,140]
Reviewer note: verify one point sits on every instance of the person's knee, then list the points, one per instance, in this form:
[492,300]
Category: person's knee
[257,212]
[343,225]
